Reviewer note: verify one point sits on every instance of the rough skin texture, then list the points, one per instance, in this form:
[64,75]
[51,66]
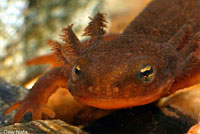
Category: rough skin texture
[156,55]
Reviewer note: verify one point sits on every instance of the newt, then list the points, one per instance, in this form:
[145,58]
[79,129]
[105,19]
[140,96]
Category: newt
[157,54]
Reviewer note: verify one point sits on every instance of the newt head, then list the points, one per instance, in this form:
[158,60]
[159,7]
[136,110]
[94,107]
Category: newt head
[129,70]
[120,73]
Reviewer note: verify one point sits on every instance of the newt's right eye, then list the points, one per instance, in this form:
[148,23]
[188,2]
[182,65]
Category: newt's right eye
[76,72]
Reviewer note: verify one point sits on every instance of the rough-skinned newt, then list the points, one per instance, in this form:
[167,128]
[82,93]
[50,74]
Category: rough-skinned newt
[156,55]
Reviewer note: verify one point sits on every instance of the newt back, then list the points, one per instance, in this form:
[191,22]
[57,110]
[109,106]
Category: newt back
[163,18]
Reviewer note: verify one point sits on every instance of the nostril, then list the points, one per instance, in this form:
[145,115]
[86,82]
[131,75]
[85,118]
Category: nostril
[116,89]
[90,88]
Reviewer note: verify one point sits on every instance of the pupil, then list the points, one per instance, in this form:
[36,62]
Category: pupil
[148,72]
[77,71]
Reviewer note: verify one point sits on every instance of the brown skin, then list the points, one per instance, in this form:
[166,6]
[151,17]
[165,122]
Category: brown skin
[155,56]
[117,83]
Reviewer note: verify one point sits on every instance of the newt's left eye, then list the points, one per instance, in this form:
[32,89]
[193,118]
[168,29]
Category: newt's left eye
[146,73]
[76,72]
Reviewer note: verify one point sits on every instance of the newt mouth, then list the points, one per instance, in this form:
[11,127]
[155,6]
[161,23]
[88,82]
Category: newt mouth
[119,103]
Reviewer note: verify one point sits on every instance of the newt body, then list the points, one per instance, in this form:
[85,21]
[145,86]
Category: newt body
[156,55]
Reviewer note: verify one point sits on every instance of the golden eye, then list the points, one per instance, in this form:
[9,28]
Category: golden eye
[76,72]
[146,73]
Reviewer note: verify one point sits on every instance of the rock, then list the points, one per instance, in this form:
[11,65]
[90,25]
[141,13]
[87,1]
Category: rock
[186,101]
[8,95]
[42,127]
[147,119]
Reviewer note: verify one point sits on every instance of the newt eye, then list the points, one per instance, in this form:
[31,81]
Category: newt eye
[76,72]
[146,73]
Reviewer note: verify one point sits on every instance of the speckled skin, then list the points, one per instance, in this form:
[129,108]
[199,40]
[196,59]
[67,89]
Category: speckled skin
[165,36]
